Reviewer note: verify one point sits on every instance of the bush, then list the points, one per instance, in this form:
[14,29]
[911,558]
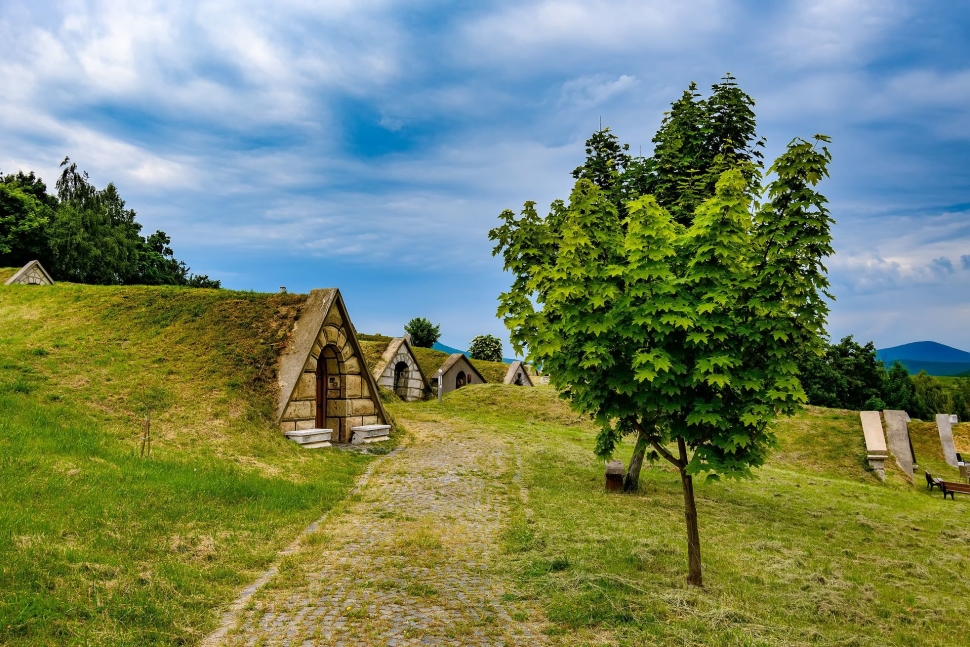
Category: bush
[423,333]
[486,347]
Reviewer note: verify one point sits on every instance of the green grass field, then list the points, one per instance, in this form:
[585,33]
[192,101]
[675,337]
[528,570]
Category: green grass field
[814,551]
[101,547]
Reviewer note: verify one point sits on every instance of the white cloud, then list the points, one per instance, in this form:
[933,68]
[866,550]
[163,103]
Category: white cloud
[568,30]
[588,92]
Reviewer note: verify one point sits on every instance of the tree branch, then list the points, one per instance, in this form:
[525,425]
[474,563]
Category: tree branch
[657,446]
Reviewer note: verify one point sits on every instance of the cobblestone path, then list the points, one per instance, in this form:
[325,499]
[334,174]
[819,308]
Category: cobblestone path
[413,561]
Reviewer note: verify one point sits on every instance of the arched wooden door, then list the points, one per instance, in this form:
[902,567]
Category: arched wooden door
[320,421]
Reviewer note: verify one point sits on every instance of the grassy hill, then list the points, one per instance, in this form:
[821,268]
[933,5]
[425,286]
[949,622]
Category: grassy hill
[814,551]
[100,546]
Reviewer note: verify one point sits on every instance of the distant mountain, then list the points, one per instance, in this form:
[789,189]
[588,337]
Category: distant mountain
[929,356]
[451,351]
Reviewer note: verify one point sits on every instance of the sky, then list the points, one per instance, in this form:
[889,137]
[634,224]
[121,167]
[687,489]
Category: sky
[370,145]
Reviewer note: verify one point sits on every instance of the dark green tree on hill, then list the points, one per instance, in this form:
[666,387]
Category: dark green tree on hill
[84,234]
[698,139]
[678,324]
[423,333]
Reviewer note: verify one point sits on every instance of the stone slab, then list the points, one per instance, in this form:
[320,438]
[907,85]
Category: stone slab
[899,443]
[946,438]
[370,434]
[954,419]
[319,445]
[872,430]
[310,436]
[614,467]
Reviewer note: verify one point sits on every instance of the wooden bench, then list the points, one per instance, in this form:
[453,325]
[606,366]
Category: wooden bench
[932,482]
[950,488]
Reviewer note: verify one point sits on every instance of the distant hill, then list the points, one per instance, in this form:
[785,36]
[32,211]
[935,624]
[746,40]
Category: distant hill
[450,350]
[929,356]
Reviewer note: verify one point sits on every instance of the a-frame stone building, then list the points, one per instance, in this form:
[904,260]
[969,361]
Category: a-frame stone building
[518,375]
[33,273]
[398,370]
[457,372]
[323,379]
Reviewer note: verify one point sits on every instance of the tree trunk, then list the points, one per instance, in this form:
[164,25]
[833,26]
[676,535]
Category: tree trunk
[690,514]
[631,482]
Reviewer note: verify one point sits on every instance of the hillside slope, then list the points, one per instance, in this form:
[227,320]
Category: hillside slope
[101,546]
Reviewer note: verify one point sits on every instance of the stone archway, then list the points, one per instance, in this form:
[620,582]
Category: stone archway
[460,380]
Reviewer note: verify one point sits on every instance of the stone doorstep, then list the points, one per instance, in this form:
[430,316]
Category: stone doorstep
[307,437]
[319,445]
[370,434]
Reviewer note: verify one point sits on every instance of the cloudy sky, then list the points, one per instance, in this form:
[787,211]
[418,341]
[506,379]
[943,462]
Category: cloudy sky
[370,144]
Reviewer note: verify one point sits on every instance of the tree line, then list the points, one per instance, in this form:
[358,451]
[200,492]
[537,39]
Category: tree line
[849,375]
[84,234]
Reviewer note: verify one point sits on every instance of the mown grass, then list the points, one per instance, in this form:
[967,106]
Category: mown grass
[101,546]
[814,551]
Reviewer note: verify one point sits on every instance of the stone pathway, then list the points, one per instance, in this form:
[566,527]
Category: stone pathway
[414,561]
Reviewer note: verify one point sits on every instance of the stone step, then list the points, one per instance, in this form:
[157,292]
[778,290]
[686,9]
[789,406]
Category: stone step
[311,438]
[370,434]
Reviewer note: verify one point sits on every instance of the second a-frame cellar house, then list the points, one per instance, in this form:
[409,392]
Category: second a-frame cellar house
[326,392]
[398,370]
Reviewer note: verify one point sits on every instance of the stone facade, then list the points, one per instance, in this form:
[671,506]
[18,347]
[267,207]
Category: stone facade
[897,436]
[398,371]
[518,375]
[876,451]
[324,360]
[457,372]
[946,438]
[33,273]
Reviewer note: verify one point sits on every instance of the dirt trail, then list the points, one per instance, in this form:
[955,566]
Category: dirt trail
[414,561]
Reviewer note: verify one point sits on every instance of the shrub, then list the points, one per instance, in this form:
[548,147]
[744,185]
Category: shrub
[486,347]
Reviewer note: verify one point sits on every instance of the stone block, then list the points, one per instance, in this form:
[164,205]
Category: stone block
[361,407]
[305,424]
[298,410]
[336,408]
[310,436]
[333,367]
[364,389]
[333,423]
[370,433]
[900,445]
[351,367]
[306,387]
[311,362]
[334,318]
[370,420]
[352,384]
[330,334]
[946,438]
[341,339]
[287,426]
[346,352]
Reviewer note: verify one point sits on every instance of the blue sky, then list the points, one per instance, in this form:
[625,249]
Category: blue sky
[370,145]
